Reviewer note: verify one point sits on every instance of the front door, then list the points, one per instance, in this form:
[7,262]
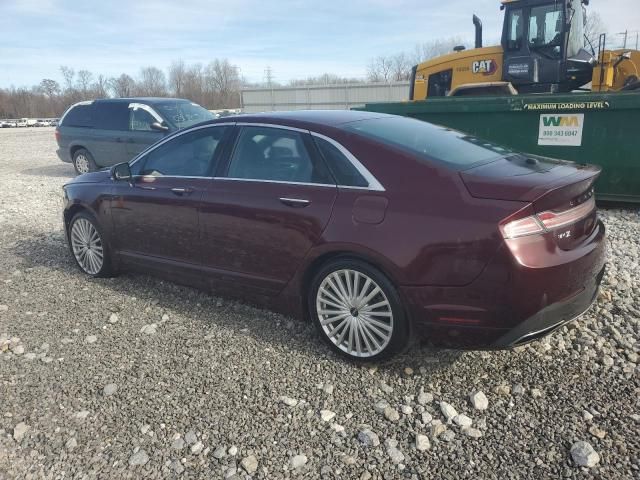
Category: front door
[261,218]
[156,215]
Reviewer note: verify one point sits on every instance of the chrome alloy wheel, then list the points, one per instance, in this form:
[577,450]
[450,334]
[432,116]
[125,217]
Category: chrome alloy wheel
[82,163]
[354,313]
[87,246]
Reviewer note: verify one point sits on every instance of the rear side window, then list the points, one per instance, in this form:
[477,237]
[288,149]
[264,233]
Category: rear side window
[111,116]
[429,142]
[264,153]
[343,170]
[79,116]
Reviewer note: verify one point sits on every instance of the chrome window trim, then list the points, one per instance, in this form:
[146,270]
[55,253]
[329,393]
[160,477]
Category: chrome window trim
[179,133]
[271,125]
[373,182]
[282,182]
[146,108]
[172,176]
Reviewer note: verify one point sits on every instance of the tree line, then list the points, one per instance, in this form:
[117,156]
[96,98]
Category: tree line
[215,85]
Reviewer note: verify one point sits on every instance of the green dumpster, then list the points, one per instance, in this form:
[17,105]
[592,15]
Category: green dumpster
[597,128]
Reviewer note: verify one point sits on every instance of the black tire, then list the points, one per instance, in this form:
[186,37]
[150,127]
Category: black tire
[106,268]
[400,328]
[83,161]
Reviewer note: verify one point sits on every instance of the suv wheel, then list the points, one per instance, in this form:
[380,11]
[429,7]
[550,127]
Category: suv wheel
[357,311]
[83,162]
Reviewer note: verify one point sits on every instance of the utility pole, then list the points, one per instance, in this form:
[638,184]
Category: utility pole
[268,76]
[625,34]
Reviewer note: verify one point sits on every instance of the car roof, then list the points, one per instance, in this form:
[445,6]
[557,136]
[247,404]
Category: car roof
[149,100]
[306,118]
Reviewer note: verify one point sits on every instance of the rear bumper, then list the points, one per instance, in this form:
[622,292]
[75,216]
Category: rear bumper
[552,317]
[515,300]
[63,155]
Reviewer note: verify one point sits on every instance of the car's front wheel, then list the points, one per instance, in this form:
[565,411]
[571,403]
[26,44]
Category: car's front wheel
[83,162]
[357,311]
[89,249]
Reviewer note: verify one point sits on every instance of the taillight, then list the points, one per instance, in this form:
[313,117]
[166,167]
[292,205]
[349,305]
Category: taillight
[57,134]
[547,220]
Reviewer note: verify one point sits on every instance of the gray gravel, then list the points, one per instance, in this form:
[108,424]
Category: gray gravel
[134,377]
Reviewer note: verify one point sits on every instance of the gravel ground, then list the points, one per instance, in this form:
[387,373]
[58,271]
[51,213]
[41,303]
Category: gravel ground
[133,377]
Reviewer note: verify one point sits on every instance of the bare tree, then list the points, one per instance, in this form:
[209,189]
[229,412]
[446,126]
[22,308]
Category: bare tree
[68,74]
[49,87]
[380,69]
[177,74]
[593,27]
[122,86]
[152,82]
[324,79]
[223,83]
[100,87]
[84,78]
[194,83]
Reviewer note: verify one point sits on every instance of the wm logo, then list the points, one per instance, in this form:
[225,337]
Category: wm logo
[561,121]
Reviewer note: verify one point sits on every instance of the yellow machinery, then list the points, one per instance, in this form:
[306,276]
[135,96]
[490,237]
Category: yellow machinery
[541,51]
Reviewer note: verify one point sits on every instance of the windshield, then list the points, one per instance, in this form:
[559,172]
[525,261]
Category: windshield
[430,142]
[183,114]
[545,28]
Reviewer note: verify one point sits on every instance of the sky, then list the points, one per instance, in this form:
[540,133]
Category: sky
[295,38]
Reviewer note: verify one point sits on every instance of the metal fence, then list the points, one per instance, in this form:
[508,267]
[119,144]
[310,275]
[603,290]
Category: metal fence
[322,97]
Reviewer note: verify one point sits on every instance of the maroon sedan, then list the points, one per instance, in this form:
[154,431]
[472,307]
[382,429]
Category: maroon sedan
[381,229]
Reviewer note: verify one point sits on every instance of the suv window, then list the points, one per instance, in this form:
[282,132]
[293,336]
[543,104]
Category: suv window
[266,153]
[79,116]
[193,154]
[343,170]
[112,116]
[140,118]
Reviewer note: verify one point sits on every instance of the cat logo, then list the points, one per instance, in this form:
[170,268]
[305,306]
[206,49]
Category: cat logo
[485,67]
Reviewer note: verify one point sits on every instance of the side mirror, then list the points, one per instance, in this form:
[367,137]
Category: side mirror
[121,171]
[158,127]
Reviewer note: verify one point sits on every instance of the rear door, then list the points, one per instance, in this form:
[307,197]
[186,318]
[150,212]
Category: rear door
[268,209]
[156,215]
[140,134]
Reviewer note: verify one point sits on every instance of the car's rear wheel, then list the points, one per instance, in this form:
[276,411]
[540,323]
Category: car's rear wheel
[83,162]
[89,249]
[357,311]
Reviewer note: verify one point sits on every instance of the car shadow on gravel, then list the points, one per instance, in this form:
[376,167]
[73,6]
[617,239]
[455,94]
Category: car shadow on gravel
[50,251]
[64,170]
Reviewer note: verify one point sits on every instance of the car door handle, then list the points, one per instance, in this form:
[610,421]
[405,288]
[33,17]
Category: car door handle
[182,191]
[295,202]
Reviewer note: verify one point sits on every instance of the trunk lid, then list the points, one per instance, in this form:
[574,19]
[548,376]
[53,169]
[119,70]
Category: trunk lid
[560,192]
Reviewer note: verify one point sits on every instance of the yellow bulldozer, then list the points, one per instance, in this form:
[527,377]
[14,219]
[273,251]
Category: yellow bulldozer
[543,50]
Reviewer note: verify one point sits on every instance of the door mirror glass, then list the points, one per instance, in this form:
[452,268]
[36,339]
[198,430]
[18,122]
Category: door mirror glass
[159,127]
[121,171]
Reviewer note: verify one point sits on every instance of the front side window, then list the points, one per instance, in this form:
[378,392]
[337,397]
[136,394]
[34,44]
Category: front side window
[141,118]
[264,153]
[545,28]
[193,154]
[515,30]
[429,142]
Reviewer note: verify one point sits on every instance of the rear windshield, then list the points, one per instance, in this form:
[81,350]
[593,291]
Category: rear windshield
[429,142]
[182,114]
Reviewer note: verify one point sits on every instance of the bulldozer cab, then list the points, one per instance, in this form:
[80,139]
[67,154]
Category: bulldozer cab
[543,43]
